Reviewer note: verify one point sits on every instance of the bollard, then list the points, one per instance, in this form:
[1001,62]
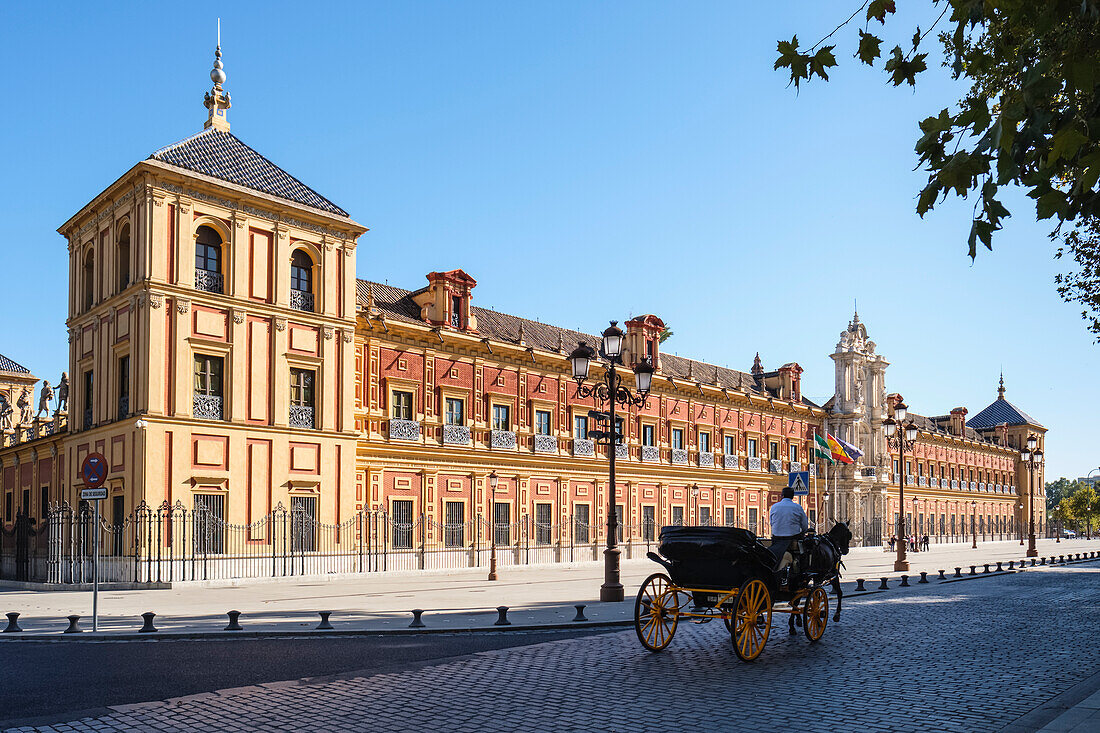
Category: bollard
[904,581]
[859,585]
[986,568]
[923,577]
[1078,555]
[942,576]
[73,628]
[999,568]
[13,623]
[958,572]
[1043,561]
[1033,562]
[580,613]
[883,585]
[324,620]
[1011,565]
[147,626]
[502,617]
[1061,558]
[973,569]
[417,623]
[233,623]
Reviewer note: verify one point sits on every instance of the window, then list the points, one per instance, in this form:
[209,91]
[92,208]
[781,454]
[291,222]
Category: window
[542,422]
[649,523]
[301,399]
[209,524]
[8,499]
[208,260]
[89,279]
[908,467]
[301,281]
[920,469]
[454,411]
[647,435]
[580,427]
[730,447]
[89,397]
[752,519]
[118,520]
[650,346]
[402,405]
[502,523]
[208,387]
[580,524]
[303,523]
[44,504]
[677,438]
[704,442]
[543,521]
[456,311]
[123,387]
[895,465]
[620,431]
[750,448]
[731,516]
[773,450]
[402,518]
[792,452]
[454,531]
[704,516]
[502,417]
[678,516]
[124,258]
[619,522]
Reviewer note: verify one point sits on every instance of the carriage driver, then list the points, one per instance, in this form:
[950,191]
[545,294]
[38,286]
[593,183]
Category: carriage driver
[788,522]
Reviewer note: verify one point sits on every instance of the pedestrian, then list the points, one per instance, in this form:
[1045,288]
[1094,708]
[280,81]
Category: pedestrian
[925,542]
[893,539]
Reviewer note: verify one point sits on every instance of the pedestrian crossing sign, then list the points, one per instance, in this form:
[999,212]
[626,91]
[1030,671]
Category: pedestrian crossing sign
[799,481]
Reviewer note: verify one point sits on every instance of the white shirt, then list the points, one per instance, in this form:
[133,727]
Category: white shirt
[787,519]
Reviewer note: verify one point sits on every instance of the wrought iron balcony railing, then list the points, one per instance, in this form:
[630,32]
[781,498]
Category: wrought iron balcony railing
[208,407]
[404,429]
[210,281]
[301,300]
[546,444]
[301,416]
[456,434]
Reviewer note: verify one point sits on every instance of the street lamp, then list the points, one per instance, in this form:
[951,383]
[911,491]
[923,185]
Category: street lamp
[1019,522]
[1031,457]
[610,391]
[974,525]
[916,532]
[1088,517]
[493,480]
[825,509]
[695,501]
[903,439]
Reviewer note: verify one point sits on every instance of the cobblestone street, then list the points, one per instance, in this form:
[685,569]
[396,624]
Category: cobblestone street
[972,655]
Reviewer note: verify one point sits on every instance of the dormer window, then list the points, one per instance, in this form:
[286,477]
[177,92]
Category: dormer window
[456,311]
[208,261]
[301,281]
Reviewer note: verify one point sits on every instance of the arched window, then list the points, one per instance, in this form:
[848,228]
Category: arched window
[89,279]
[301,281]
[208,260]
[124,258]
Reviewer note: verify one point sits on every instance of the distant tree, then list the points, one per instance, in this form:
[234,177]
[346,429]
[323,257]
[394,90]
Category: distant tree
[666,334]
[1058,490]
[1084,505]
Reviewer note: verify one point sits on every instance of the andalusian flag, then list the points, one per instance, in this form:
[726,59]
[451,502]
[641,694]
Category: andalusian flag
[822,450]
[837,450]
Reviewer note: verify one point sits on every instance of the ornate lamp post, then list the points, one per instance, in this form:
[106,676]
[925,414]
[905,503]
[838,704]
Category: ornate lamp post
[1020,523]
[825,510]
[1031,457]
[610,391]
[1088,517]
[903,439]
[916,531]
[493,480]
[974,524]
[695,501]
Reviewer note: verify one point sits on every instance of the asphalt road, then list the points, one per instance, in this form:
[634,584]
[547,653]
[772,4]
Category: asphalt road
[43,682]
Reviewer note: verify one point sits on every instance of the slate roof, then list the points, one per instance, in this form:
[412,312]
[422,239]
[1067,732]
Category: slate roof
[7,365]
[222,155]
[1001,411]
[397,304]
[939,425]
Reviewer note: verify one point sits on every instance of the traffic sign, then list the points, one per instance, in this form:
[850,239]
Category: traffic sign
[93,494]
[94,470]
[800,482]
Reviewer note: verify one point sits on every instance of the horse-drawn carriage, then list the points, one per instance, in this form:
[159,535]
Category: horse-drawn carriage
[727,573]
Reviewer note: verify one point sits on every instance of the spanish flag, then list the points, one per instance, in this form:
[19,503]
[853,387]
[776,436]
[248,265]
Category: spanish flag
[836,449]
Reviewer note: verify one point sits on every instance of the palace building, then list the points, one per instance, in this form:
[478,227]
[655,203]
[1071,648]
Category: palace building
[234,371]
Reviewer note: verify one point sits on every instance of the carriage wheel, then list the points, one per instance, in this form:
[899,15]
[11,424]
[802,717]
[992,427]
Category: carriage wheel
[752,620]
[815,614]
[656,612]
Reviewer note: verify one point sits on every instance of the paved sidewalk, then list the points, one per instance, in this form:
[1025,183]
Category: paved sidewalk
[459,599]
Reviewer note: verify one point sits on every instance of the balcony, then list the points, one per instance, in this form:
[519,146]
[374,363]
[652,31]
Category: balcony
[679,457]
[754,464]
[973,486]
[706,460]
[456,435]
[775,465]
[731,461]
[207,407]
[869,471]
[87,417]
[909,480]
[210,281]
[123,407]
[954,484]
[796,466]
[812,469]
[921,481]
[651,454]
[944,484]
[583,447]
[982,485]
[404,429]
[622,453]
[301,300]
[502,440]
[546,444]
[301,416]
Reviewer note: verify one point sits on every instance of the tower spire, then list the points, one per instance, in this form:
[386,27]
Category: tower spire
[1001,388]
[217,99]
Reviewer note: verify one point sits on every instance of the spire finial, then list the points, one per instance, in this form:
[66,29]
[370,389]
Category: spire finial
[217,99]
[757,366]
[1001,388]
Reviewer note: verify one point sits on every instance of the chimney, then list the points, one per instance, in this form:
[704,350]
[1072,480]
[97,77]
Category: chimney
[446,300]
[790,382]
[892,400]
[958,421]
[643,340]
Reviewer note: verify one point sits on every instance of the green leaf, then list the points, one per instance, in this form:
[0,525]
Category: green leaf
[870,48]
[1050,203]
[878,9]
[821,61]
[916,38]
[1065,144]
[905,70]
[789,57]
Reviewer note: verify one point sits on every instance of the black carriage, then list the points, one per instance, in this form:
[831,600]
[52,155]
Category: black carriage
[727,573]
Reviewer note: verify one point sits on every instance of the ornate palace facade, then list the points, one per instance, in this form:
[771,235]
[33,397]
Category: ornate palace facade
[224,357]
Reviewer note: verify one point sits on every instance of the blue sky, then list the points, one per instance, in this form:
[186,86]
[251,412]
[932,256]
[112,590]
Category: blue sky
[583,161]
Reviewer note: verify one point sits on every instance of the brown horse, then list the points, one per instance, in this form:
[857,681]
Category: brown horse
[821,564]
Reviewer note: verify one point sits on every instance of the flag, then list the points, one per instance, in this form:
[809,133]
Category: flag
[822,449]
[850,449]
[837,450]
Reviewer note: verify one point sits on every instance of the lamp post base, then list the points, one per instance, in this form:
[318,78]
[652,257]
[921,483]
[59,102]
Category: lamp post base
[612,590]
[901,565]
